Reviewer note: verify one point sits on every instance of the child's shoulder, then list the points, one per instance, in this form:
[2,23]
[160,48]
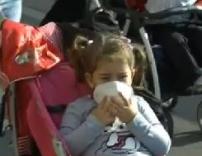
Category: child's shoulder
[83,102]
[140,101]
[138,98]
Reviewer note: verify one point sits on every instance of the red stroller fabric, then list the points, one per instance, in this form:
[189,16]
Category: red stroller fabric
[136,4]
[29,51]
[140,4]
[25,51]
[199,3]
[55,87]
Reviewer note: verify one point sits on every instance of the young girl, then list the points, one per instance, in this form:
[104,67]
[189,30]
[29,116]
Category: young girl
[88,126]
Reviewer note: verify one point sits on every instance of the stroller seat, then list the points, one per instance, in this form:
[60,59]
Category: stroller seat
[44,99]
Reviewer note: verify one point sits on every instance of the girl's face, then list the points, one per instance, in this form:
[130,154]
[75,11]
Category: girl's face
[106,71]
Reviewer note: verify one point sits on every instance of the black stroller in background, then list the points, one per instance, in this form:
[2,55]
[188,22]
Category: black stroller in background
[160,78]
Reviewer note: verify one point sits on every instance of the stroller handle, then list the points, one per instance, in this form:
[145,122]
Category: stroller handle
[174,11]
[146,18]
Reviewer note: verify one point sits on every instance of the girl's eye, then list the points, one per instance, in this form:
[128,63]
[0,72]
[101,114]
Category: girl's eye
[105,78]
[122,77]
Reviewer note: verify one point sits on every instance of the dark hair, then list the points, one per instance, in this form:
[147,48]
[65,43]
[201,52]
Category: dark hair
[69,33]
[86,52]
[140,64]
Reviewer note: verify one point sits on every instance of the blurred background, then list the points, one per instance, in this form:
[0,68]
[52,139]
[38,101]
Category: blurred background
[34,10]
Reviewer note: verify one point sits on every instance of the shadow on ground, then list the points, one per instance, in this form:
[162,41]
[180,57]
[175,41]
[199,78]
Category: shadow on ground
[185,138]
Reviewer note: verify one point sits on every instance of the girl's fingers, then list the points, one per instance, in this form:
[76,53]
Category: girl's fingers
[116,103]
[109,107]
[102,104]
[125,102]
[114,112]
[117,108]
[105,103]
[119,100]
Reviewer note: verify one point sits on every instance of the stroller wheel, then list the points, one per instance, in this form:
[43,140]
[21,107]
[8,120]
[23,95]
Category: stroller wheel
[170,103]
[168,123]
[199,115]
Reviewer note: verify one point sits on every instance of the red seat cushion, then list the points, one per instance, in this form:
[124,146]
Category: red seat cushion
[59,86]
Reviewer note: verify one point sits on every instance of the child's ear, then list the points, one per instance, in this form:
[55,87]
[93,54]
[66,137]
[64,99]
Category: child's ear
[89,80]
[133,71]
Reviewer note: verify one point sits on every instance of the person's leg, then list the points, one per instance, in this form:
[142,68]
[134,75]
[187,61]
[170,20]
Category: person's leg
[194,34]
[177,51]
[65,11]
[11,9]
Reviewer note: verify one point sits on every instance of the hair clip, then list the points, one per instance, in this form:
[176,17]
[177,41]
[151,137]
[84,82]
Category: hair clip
[90,42]
[127,41]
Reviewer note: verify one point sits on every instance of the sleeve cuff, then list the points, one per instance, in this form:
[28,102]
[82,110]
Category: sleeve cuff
[139,126]
[94,123]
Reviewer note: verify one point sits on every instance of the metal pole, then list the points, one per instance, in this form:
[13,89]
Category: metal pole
[151,60]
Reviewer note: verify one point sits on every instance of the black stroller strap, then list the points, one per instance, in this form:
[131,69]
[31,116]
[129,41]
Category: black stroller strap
[2,112]
[56,109]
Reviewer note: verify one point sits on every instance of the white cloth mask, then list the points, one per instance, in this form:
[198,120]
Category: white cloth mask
[112,88]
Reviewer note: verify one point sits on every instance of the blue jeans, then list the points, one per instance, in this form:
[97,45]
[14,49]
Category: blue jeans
[11,9]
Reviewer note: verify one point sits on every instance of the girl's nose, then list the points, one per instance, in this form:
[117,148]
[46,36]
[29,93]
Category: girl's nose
[114,78]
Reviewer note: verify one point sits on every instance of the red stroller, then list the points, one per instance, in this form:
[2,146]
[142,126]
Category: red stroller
[30,102]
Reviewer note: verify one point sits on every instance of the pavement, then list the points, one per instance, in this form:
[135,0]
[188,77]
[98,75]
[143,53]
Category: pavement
[187,140]
[34,10]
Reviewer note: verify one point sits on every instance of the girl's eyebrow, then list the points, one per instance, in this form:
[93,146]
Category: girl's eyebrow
[122,73]
[104,74]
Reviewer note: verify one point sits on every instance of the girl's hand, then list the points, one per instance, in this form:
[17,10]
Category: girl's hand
[103,113]
[125,110]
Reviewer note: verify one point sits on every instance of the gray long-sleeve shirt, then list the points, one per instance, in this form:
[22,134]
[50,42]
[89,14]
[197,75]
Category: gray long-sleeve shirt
[86,136]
